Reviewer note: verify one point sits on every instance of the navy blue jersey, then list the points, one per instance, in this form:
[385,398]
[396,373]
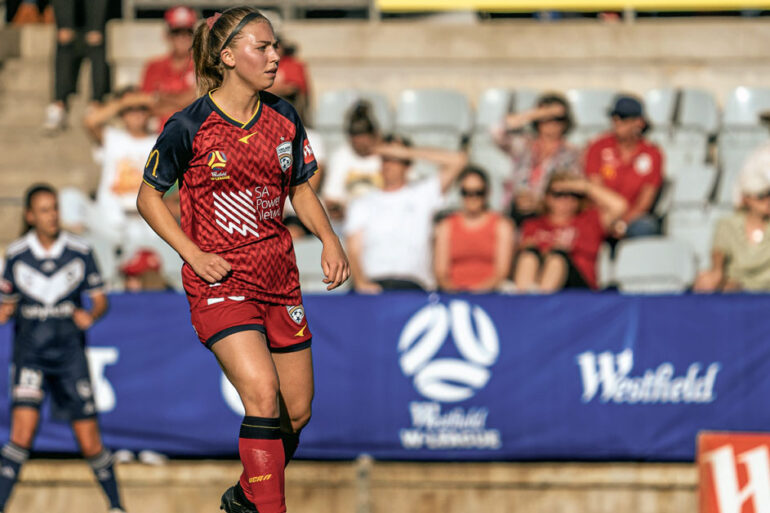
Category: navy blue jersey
[47,285]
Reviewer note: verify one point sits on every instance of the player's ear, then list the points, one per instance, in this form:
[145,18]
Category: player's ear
[227,58]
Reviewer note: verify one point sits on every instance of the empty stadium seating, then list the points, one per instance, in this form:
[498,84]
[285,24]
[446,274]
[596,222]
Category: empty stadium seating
[654,265]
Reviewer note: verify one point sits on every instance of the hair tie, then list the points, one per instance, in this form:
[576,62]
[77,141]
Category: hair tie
[213,19]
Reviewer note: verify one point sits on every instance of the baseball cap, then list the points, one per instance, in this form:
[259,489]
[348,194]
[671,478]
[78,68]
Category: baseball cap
[142,261]
[752,182]
[180,17]
[627,107]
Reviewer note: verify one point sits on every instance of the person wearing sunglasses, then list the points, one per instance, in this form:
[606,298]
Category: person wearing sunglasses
[630,165]
[171,78]
[740,254]
[536,142]
[474,247]
[389,231]
[559,248]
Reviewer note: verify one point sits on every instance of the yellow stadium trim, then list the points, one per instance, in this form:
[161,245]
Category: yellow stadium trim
[259,102]
[148,183]
[156,154]
[569,5]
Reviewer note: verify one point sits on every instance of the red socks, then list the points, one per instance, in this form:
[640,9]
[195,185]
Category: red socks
[262,455]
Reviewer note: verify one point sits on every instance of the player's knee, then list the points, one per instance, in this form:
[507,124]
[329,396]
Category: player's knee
[261,400]
[94,38]
[301,419]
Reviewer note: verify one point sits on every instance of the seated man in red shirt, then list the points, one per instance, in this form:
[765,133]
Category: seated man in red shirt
[171,78]
[627,163]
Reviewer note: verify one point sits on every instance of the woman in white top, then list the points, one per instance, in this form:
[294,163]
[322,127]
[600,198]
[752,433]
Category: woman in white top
[354,168]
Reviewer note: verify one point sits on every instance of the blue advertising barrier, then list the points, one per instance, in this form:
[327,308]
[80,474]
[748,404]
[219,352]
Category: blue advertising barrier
[439,377]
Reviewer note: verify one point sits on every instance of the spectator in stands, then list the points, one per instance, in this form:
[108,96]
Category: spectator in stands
[535,157]
[354,168]
[171,78]
[123,152]
[627,163]
[389,231]
[560,247]
[73,43]
[740,255]
[291,82]
[474,247]
[143,272]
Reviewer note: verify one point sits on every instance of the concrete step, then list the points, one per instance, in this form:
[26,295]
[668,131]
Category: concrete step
[28,76]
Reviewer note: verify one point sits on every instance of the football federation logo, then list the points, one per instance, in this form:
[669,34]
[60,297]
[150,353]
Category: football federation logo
[449,379]
[217,161]
[284,155]
[297,313]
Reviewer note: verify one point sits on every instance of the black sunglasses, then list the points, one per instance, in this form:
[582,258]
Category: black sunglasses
[763,195]
[473,193]
[560,119]
[575,195]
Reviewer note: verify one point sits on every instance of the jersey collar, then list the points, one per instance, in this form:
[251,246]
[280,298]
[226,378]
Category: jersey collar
[41,253]
[227,117]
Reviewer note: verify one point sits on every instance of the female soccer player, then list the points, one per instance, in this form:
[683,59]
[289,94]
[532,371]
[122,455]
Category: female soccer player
[46,273]
[238,152]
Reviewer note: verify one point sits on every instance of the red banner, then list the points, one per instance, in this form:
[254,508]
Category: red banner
[734,472]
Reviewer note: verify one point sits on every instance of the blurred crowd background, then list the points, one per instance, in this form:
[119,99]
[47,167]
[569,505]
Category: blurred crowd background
[515,189]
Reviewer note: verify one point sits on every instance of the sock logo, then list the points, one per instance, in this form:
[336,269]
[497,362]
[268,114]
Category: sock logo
[449,379]
[8,472]
[260,479]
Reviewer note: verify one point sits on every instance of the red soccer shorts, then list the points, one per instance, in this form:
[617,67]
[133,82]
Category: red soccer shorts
[285,327]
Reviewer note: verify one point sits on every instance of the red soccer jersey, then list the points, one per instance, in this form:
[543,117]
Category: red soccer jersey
[580,239]
[626,178]
[233,181]
[160,75]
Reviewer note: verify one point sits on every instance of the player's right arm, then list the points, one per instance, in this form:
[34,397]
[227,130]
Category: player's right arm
[166,164]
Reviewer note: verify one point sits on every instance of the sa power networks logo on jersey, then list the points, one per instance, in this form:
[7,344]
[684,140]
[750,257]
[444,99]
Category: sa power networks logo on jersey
[217,161]
[284,155]
[455,375]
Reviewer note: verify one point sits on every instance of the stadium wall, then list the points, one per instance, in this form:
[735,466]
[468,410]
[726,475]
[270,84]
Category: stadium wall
[715,54]
[366,487]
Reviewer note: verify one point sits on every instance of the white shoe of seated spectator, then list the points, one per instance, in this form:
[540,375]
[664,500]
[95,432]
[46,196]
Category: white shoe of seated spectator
[152,458]
[124,456]
[55,118]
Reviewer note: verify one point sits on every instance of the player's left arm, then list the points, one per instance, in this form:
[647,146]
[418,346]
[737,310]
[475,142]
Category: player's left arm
[311,213]
[84,319]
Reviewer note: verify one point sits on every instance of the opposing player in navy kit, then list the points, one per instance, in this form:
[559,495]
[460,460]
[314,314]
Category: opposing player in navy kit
[45,275]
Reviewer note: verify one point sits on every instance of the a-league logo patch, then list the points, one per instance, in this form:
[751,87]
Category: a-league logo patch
[217,161]
[297,313]
[284,155]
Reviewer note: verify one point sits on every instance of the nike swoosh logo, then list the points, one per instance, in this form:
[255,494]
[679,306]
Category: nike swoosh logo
[245,139]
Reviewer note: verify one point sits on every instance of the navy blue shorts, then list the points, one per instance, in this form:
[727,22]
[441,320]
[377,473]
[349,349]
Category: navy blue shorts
[69,385]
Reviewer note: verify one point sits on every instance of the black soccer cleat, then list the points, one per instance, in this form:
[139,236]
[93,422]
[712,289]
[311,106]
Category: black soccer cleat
[235,501]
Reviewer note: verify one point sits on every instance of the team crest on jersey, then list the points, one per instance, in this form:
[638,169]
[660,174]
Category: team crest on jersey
[284,155]
[217,162]
[297,313]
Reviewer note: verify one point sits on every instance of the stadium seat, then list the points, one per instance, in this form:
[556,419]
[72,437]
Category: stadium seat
[492,106]
[659,105]
[590,110]
[308,253]
[744,105]
[734,145]
[693,186]
[698,111]
[332,110]
[605,267]
[434,117]
[484,153]
[695,226]
[654,265]
[524,99]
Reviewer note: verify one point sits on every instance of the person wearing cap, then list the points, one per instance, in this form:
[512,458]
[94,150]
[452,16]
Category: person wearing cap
[143,272]
[740,254]
[171,78]
[122,152]
[627,163]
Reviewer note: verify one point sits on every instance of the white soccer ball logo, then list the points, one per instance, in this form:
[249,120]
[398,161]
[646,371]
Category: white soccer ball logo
[449,379]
